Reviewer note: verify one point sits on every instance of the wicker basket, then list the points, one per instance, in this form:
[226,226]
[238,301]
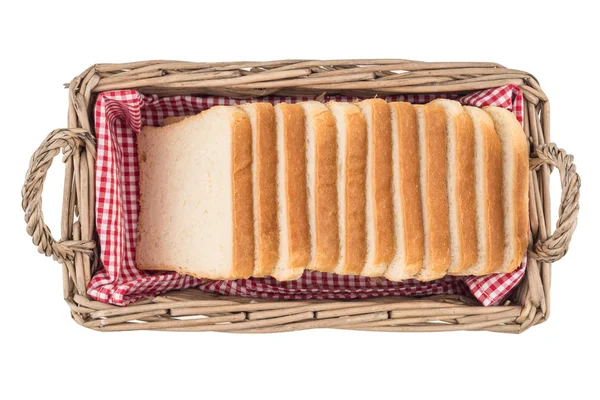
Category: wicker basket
[77,250]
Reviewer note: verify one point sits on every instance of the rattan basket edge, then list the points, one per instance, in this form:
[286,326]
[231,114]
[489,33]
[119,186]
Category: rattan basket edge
[194,310]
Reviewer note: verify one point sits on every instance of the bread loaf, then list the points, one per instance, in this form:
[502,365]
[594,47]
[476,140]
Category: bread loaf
[367,188]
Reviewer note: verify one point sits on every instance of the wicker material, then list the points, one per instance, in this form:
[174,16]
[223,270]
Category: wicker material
[77,251]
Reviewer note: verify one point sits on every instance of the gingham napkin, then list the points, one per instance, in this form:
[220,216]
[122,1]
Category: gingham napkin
[119,116]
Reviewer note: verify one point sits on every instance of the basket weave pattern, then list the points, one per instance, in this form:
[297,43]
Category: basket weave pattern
[78,253]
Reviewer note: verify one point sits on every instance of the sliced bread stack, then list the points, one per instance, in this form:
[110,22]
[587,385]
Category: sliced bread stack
[370,188]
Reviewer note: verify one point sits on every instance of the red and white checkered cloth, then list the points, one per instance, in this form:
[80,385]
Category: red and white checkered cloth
[119,116]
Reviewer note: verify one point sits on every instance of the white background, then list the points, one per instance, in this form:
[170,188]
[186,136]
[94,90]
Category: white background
[45,353]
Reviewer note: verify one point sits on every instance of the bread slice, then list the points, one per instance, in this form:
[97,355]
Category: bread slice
[264,172]
[292,212]
[488,195]
[379,203]
[196,196]
[322,181]
[408,215]
[461,186]
[351,165]
[515,161]
[434,191]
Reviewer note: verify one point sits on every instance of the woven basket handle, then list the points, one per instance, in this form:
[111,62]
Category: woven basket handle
[69,140]
[556,245]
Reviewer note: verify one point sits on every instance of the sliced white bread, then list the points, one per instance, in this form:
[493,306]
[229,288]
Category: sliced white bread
[196,211]
[264,173]
[515,177]
[292,210]
[351,165]
[434,191]
[461,186]
[322,181]
[379,203]
[488,184]
[408,216]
